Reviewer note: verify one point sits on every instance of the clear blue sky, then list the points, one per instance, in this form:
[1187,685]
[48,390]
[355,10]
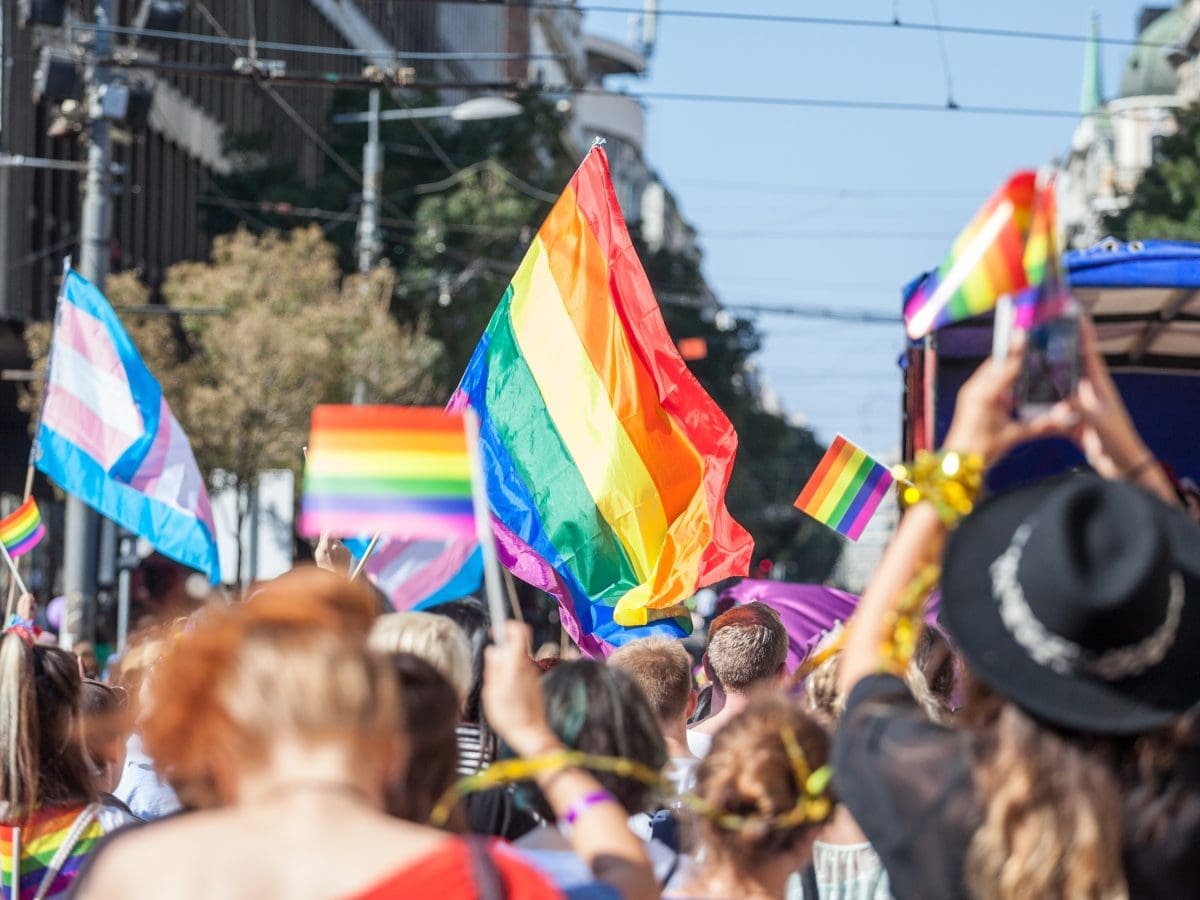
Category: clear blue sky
[890,189]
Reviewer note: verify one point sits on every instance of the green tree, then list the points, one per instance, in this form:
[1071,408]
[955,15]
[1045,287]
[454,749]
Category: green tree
[455,216]
[1166,202]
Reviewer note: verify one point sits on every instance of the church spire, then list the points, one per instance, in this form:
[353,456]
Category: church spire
[1091,97]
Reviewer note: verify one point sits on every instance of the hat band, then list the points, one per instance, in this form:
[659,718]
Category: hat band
[1064,656]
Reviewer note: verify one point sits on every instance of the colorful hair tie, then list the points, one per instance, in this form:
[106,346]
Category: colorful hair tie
[22,628]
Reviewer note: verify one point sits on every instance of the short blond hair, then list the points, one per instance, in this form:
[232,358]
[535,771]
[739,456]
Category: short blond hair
[435,639]
[746,645]
[663,669]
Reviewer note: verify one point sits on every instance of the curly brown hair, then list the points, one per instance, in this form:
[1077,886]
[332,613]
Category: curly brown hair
[748,773]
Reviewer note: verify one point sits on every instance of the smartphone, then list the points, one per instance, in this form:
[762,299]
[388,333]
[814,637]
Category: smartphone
[1050,372]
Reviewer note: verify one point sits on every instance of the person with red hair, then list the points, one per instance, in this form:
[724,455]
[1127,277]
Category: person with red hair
[280,728]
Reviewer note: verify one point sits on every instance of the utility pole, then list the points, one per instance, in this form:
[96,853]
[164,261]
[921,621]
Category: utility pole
[372,184]
[81,526]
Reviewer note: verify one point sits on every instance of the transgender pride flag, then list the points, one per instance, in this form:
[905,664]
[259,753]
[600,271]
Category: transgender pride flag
[108,437]
[419,574]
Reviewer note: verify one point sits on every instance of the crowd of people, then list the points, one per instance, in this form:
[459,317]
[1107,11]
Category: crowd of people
[1039,741]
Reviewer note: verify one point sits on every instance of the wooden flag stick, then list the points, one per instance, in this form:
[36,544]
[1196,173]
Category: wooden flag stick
[366,555]
[513,600]
[483,528]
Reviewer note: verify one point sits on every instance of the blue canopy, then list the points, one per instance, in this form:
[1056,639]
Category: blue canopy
[1110,264]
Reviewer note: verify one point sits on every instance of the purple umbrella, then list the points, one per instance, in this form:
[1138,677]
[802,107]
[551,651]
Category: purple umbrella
[809,611]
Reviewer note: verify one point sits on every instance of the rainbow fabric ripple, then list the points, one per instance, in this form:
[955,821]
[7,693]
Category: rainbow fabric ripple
[606,461]
[394,470]
[21,530]
[846,489]
[986,262]
[41,836]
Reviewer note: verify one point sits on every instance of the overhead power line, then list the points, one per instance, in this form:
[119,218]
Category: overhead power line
[841,103]
[251,43]
[860,316]
[824,21]
[339,80]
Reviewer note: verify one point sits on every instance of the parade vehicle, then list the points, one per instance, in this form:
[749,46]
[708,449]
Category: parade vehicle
[1144,298]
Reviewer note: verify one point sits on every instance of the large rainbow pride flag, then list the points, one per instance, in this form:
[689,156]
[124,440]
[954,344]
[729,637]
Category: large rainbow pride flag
[606,461]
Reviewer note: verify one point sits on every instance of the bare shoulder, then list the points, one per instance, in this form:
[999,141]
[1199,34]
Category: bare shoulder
[138,861]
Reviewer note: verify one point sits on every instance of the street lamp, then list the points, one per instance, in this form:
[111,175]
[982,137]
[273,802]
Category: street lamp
[476,109]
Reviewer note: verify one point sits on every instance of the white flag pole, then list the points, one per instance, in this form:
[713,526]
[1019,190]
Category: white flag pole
[483,528]
[12,567]
[362,563]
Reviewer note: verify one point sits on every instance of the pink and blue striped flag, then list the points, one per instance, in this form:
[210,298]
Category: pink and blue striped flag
[419,574]
[108,436]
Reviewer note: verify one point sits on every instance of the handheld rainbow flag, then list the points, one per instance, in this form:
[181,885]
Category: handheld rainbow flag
[986,262]
[846,489]
[21,530]
[399,471]
[606,461]
[1047,296]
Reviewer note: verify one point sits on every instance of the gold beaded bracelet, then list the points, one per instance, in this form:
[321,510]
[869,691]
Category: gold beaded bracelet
[949,480]
[906,621]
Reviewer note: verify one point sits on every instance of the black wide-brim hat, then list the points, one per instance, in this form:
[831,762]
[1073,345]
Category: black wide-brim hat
[1079,600]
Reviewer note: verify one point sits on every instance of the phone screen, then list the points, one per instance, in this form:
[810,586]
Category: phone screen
[1051,369]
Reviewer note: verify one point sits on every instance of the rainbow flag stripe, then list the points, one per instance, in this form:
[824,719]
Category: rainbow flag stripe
[846,489]
[1047,296]
[986,262]
[400,471]
[41,836]
[606,461]
[21,530]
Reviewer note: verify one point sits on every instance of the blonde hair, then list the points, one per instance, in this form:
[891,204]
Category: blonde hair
[435,639]
[663,669]
[821,698]
[746,645]
[1053,811]
[289,662]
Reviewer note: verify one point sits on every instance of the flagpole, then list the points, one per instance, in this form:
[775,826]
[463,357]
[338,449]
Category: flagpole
[12,567]
[513,599]
[483,528]
[37,422]
[362,563]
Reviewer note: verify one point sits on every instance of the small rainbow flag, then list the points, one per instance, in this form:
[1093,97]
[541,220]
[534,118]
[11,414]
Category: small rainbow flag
[21,530]
[846,489]
[986,262]
[400,471]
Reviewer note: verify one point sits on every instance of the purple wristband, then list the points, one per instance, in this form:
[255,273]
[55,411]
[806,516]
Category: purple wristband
[583,804]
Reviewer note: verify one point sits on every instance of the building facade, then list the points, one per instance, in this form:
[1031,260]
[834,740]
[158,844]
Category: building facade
[1116,139]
